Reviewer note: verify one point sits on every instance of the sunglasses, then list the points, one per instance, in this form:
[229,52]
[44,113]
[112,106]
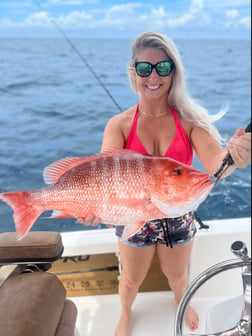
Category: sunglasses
[163,68]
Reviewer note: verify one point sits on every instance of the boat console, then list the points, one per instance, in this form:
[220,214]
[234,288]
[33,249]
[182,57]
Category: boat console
[32,300]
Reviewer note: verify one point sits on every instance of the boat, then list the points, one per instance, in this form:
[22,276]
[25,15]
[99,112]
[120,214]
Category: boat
[89,269]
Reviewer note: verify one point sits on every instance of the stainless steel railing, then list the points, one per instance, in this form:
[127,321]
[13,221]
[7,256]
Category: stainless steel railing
[243,326]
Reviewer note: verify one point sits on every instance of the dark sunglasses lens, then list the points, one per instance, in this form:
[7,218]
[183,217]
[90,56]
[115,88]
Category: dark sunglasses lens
[143,69]
[164,68]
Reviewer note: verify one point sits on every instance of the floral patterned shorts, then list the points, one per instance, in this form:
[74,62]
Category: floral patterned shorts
[168,231]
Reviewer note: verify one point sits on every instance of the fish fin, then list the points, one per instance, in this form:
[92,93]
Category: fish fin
[60,214]
[54,171]
[25,212]
[131,229]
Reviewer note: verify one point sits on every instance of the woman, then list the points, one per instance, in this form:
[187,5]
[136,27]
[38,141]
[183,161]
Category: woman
[165,122]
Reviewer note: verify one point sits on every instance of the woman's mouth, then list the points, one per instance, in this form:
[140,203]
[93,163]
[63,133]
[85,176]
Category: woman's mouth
[153,87]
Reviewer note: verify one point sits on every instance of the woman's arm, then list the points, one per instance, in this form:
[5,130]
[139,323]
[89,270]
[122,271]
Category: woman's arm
[113,136]
[211,154]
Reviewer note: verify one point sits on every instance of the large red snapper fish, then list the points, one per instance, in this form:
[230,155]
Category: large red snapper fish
[121,187]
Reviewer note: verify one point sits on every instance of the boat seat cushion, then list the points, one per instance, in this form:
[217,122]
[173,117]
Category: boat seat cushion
[35,304]
[35,247]
[67,322]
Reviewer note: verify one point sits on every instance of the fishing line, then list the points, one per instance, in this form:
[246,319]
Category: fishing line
[81,56]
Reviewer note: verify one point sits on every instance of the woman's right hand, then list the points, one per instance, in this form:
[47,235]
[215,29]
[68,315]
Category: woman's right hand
[89,220]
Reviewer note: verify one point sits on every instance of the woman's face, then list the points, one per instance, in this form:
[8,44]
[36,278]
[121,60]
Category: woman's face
[153,86]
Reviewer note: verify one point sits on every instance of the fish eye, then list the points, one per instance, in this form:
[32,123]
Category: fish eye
[178,171]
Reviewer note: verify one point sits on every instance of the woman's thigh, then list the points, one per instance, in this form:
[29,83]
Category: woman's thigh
[175,261]
[135,260]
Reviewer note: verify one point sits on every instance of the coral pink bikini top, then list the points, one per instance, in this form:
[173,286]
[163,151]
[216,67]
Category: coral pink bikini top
[180,149]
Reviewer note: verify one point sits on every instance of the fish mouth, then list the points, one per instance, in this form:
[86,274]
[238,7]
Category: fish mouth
[203,186]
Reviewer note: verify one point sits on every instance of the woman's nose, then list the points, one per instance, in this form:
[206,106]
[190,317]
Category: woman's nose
[153,74]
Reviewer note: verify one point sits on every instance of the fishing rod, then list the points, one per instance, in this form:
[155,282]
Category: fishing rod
[80,55]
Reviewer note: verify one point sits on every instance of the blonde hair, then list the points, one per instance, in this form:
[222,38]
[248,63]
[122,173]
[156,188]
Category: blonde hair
[178,96]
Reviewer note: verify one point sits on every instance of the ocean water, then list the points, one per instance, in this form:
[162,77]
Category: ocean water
[52,106]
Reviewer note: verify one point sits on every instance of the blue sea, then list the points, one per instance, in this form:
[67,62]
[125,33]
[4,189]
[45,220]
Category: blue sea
[53,106]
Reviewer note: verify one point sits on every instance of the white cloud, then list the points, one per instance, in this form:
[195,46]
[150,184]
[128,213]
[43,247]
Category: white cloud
[194,16]
[224,4]
[232,13]
[121,15]
[196,6]
[39,19]
[35,20]
[76,18]
[234,20]
[199,15]
[246,22]
[15,4]
[71,2]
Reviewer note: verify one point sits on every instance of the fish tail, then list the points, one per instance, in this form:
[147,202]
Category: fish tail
[25,211]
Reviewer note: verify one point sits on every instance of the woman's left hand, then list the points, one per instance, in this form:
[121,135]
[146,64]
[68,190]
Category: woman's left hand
[239,146]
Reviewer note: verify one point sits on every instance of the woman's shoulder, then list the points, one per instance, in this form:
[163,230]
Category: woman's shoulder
[122,119]
[117,129]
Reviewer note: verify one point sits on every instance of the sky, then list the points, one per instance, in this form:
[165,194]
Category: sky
[224,19]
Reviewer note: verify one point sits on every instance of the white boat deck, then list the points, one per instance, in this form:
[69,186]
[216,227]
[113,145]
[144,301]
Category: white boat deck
[153,314]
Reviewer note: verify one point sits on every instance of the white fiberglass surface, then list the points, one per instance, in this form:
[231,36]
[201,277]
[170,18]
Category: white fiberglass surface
[153,314]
